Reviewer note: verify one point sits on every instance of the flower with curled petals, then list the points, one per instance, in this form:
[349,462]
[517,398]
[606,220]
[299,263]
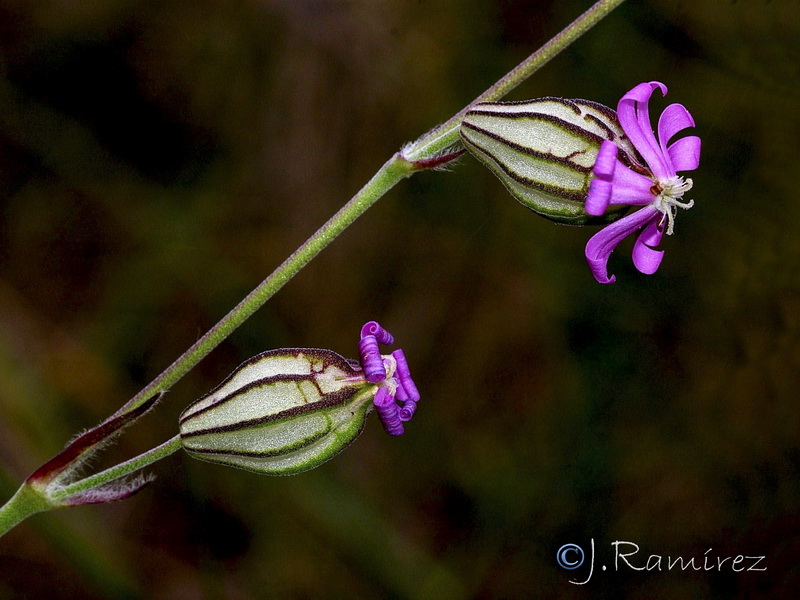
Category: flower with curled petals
[289,410]
[654,185]
[397,396]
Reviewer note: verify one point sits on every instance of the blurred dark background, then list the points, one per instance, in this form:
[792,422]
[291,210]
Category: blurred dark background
[158,159]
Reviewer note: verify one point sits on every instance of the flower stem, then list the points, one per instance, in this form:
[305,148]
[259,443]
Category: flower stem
[26,502]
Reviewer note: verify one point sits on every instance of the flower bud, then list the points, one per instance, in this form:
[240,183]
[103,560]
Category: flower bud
[543,151]
[281,412]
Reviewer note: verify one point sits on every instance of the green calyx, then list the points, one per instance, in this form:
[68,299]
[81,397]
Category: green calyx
[543,151]
[281,412]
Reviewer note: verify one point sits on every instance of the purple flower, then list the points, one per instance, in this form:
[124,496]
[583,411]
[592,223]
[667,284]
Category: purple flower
[655,186]
[397,396]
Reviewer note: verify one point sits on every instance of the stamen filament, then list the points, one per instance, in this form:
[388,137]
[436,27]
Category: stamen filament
[672,190]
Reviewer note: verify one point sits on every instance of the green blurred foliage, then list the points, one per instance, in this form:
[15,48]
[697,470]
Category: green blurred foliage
[157,159]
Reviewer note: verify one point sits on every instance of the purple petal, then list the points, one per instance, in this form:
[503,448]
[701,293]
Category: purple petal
[408,410]
[652,234]
[598,197]
[606,161]
[371,360]
[685,153]
[388,413]
[602,244]
[404,376]
[645,258]
[675,118]
[634,118]
[400,393]
[374,328]
[600,187]
[631,188]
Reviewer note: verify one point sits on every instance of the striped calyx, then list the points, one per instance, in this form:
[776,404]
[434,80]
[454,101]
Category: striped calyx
[281,412]
[543,151]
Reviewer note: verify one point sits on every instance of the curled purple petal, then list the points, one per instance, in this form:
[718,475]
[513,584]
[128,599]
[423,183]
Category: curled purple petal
[634,117]
[673,119]
[374,328]
[371,360]
[387,410]
[601,244]
[685,153]
[400,393]
[645,257]
[396,398]
[404,376]
[652,233]
[408,410]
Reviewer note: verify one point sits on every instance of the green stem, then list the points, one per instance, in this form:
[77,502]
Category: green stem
[121,470]
[26,502]
[446,135]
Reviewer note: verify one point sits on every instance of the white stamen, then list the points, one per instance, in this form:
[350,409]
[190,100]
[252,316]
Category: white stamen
[390,364]
[669,200]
